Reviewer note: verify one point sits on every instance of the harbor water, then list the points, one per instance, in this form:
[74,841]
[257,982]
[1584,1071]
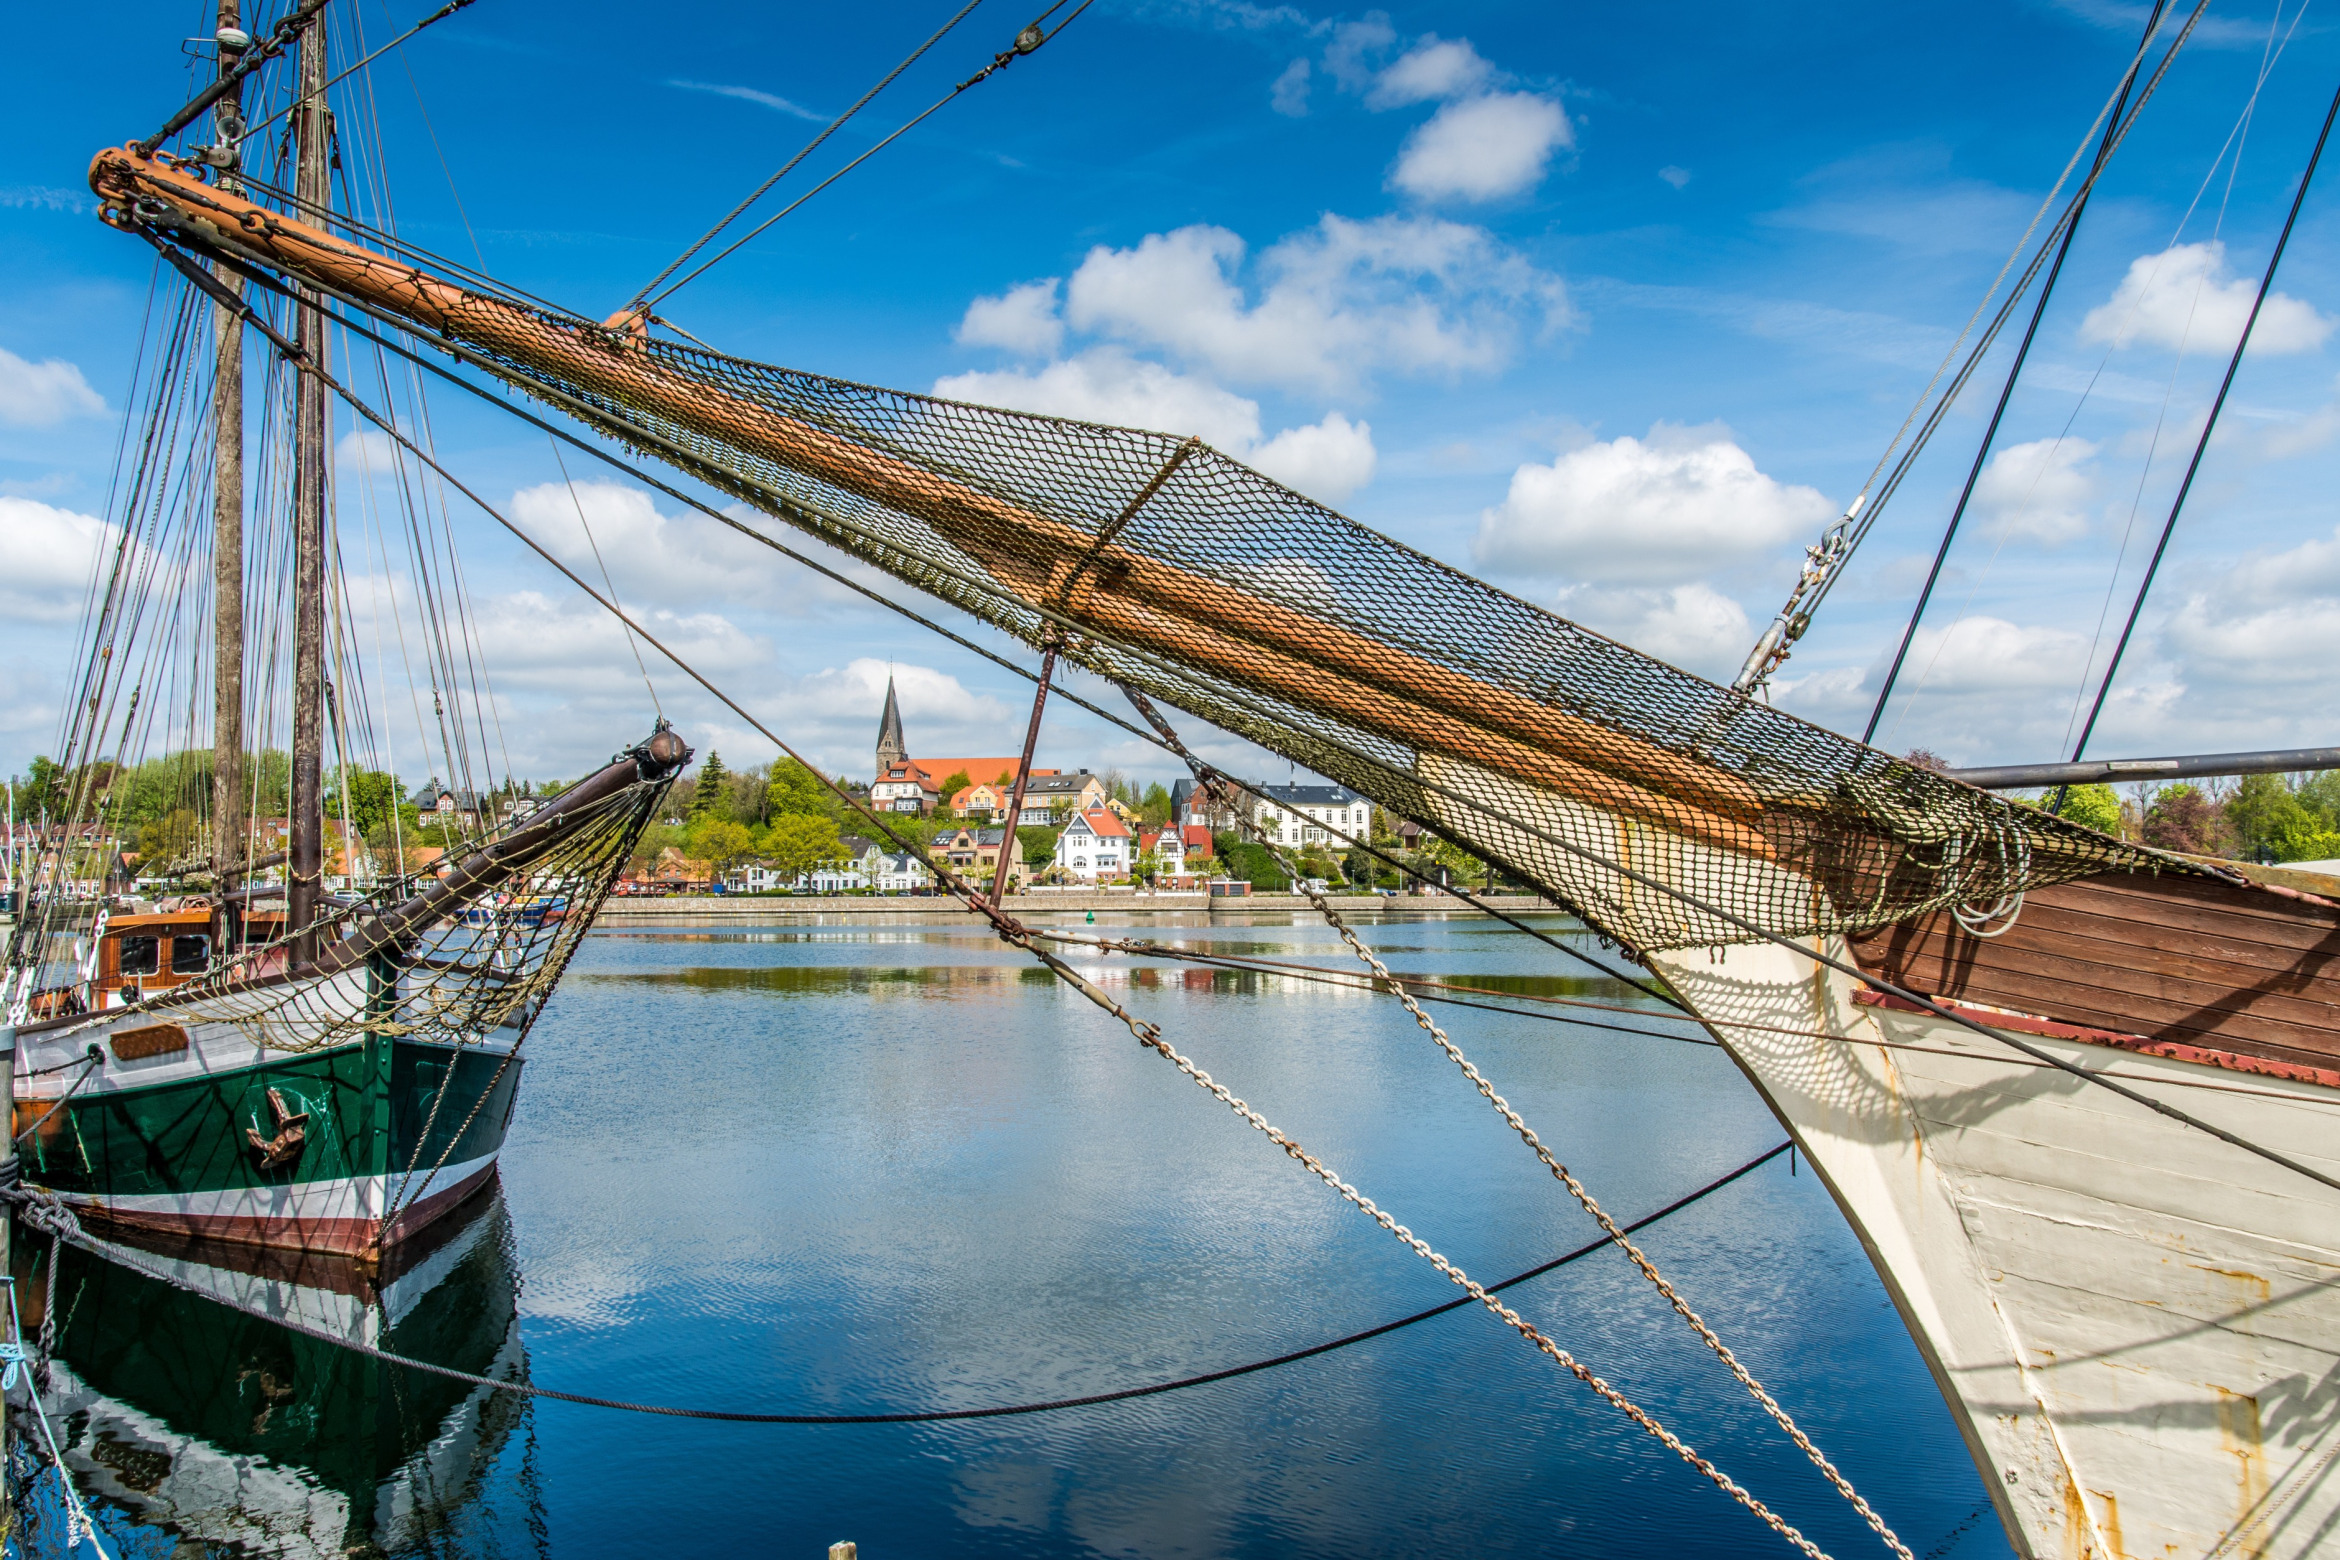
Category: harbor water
[885,1164]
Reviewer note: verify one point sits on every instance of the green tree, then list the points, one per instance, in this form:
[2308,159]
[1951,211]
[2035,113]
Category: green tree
[373,797]
[1038,844]
[796,791]
[2270,821]
[800,842]
[2093,806]
[707,792]
[956,781]
[1154,806]
[717,841]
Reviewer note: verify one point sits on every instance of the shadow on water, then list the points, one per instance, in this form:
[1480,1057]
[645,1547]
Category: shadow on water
[194,1428]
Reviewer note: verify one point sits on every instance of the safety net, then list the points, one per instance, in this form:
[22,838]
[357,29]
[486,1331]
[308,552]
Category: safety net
[1162,564]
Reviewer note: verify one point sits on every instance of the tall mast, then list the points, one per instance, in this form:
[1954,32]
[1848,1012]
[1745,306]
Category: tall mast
[227,508]
[312,130]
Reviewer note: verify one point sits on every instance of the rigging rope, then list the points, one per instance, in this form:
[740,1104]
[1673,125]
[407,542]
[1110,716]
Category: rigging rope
[1030,39]
[2209,425]
[46,1214]
[2047,290]
[1059,690]
[642,298]
[1536,1145]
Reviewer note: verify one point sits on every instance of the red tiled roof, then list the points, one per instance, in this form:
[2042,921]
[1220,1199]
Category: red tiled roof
[1106,825]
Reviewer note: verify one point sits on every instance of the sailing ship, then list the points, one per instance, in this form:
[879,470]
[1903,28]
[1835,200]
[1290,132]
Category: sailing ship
[249,1056]
[2134,1316]
[199,1419]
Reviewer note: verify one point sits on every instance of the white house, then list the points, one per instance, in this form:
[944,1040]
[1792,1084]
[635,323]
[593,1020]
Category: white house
[1305,814]
[1095,847]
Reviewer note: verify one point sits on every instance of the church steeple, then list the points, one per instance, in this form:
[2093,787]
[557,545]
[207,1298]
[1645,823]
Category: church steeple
[890,748]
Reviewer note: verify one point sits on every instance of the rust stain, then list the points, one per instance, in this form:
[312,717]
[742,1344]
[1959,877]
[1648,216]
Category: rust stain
[2110,1525]
[2260,1289]
[2238,1428]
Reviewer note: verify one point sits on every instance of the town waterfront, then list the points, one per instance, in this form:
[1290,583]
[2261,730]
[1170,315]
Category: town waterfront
[867,1164]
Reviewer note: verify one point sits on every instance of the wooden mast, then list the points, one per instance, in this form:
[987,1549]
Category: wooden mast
[312,131]
[227,514]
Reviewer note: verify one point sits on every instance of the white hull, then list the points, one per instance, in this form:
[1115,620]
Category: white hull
[2137,1325]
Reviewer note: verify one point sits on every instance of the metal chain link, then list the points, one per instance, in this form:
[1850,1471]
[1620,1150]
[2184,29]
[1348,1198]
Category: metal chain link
[1609,1226]
[1247,821]
[1150,1036]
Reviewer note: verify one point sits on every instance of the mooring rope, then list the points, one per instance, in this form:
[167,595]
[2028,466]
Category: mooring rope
[1249,823]
[42,1210]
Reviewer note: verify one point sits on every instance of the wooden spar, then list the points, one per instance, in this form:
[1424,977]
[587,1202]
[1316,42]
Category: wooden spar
[1217,627]
[306,824]
[227,529]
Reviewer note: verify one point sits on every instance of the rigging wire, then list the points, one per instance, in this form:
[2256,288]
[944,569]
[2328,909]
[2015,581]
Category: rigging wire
[2209,425]
[1828,558]
[273,286]
[2087,391]
[1027,41]
[1019,936]
[2006,392]
[440,15]
[641,299]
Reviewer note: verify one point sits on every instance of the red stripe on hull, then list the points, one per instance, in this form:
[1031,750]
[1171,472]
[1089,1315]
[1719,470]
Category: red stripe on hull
[333,1237]
[2176,1051]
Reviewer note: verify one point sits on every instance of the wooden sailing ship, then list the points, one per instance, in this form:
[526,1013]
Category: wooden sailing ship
[251,1057]
[2136,1320]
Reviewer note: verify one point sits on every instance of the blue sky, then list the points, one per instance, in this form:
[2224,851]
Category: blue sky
[1614,306]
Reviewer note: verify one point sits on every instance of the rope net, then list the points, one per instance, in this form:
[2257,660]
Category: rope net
[1163,565]
[487,963]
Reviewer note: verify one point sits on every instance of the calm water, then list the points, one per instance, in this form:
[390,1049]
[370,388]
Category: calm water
[874,1167]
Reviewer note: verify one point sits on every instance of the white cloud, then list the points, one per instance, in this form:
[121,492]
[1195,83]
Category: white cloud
[367,453]
[770,100]
[1693,626]
[652,558]
[1432,70]
[1989,655]
[1327,460]
[1289,93]
[2038,491]
[1021,320]
[52,557]
[1665,510]
[43,394]
[1482,148]
[1677,177]
[1336,301]
[1355,45]
[2185,296]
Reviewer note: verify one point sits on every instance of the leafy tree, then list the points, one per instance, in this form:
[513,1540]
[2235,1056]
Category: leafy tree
[173,838]
[44,788]
[717,841]
[2181,818]
[1255,865]
[1038,844]
[2269,821]
[796,791]
[956,781]
[1154,806]
[373,797]
[747,797]
[657,838]
[800,842]
[2093,806]
[707,793]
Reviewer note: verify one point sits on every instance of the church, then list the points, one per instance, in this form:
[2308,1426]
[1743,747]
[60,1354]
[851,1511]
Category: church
[903,784]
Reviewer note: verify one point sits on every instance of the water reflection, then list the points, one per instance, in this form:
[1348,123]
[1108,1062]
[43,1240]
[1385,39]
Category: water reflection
[186,1421]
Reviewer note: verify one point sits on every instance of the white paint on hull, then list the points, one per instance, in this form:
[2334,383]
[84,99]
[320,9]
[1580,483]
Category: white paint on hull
[2137,1325]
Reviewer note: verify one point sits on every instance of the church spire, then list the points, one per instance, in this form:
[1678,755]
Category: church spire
[890,747]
